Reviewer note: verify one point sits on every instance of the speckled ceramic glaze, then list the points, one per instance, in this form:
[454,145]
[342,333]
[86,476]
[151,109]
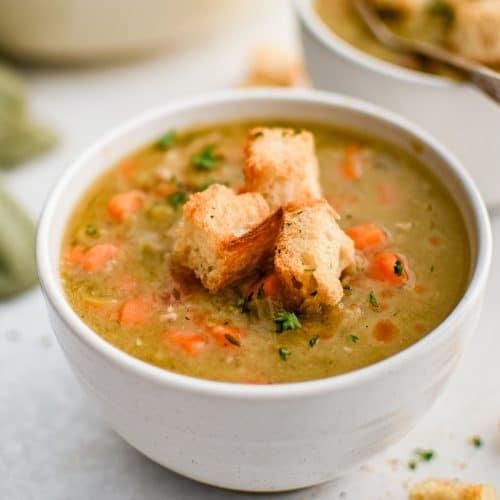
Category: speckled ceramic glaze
[262,438]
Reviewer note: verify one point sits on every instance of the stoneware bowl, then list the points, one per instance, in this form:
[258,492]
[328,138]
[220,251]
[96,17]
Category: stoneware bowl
[462,118]
[250,437]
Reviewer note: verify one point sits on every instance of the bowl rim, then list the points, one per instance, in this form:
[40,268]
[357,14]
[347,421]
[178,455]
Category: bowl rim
[49,275]
[311,19]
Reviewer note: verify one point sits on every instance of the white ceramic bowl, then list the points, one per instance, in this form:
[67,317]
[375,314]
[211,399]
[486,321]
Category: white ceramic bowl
[262,438]
[462,118]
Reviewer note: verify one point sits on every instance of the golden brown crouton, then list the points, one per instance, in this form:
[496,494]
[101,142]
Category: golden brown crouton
[272,65]
[476,31]
[223,236]
[443,489]
[281,164]
[311,254]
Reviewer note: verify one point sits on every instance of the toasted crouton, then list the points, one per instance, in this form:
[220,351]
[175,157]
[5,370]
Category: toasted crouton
[223,236]
[311,254]
[443,489]
[281,165]
[476,31]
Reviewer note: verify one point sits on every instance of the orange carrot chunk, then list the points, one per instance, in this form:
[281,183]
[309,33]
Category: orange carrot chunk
[388,267]
[97,257]
[74,255]
[136,311]
[269,286]
[367,236]
[351,166]
[388,194]
[190,343]
[122,205]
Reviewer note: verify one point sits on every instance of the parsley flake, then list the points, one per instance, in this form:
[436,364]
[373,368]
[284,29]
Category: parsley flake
[206,159]
[398,268]
[284,353]
[425,455]
[373,300]
[287,321]
[167,140]
[232,339]
[353,338]
[313,341]
[178,198]
[412,465]
[477,441]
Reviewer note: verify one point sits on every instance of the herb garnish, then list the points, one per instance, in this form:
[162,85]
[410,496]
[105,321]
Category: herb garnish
[261,293]
[242,303]
[425,455]
[91,230]
[353,338]
[313,341]
[398,268]
[442,9]
[432,268]
[287,321]
[373,300]
[476,441]
[167,140]
[284,353]
[259,133]
[178,198]
[231,339]
[206,159]
[412,465]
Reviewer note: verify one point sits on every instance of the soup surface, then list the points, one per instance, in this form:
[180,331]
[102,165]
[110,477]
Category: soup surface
[432,25]
[118,277]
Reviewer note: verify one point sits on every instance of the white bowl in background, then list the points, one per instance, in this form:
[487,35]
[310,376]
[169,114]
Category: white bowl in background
[82,31]
[248,437]
[461,117]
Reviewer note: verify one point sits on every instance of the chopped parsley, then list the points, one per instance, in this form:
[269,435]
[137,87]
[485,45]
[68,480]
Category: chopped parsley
[231,339]
[299,212]
[412,465]
[313,341]
[178,198]
[243,303]
[476,441]
[260,293]
[167,140]
[425,455]
[90,230]
[432,268]
[287,321]
[206,159]
[373,300]
[284,353]
[353,338]
[398,268]
[442,9]
[259,133]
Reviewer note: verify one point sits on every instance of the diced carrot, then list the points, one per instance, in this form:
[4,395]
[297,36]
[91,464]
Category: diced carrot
[122,205]
[351,166]
[191,343]
[136,311]
[226,335]
[367,236]
[126,284]
[270,286]
[165,188]
[97,257]
[384,267]
[128,168]
[388,194]
[74,255]
[385,331]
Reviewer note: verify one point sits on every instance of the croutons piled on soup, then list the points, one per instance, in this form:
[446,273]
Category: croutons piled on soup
[265,253]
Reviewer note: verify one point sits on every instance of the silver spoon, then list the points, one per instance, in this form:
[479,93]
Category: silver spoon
[485,79]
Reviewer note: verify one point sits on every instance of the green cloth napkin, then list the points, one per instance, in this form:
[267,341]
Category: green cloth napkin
[20,139]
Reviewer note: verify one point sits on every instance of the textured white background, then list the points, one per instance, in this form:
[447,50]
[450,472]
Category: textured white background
[54,445]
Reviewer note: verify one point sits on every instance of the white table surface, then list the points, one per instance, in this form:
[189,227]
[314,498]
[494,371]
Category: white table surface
[54,444]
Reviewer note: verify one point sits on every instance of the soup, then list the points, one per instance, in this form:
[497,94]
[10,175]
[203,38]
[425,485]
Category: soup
[119,277]
[436,22]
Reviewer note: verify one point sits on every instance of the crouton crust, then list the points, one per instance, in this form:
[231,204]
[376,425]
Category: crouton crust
[281,164]
[311,253]
[443,489]
[224,236]
[476,33]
